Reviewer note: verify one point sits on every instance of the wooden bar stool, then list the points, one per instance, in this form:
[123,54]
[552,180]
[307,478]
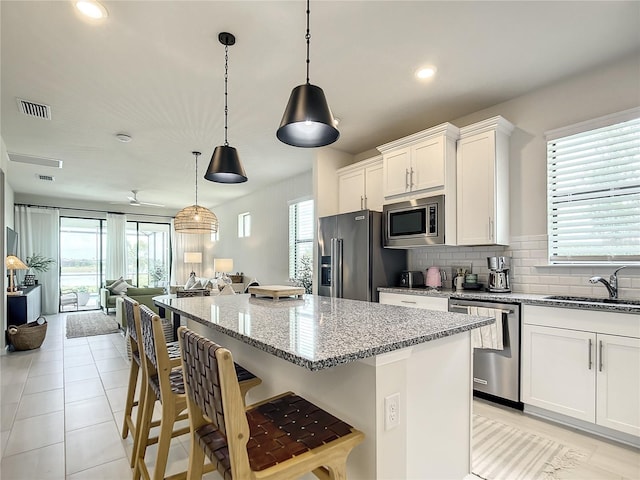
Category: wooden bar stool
[282,437]
[164,382]
[134,339]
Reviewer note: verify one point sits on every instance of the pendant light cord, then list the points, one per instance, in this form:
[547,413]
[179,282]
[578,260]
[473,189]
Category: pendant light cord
[196,154]
[308,37]
[226,80]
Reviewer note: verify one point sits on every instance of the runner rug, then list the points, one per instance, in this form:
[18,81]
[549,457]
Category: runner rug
[503,452]
[88,324]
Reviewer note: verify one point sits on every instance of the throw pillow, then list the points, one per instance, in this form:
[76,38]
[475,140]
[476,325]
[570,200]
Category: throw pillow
[118,287]
[190,283]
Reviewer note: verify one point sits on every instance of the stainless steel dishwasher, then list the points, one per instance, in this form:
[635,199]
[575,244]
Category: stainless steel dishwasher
[496,373]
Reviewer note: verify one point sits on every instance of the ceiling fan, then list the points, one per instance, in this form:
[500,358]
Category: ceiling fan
[133,201]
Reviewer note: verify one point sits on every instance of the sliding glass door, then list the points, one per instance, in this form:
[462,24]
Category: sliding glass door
[148,253]
[81,262]
[83,253]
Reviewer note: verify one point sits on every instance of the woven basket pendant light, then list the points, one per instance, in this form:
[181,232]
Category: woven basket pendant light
[307,120]
[196,219]
[225,165]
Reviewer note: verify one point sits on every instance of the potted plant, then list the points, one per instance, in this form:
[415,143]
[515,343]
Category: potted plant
[37,263]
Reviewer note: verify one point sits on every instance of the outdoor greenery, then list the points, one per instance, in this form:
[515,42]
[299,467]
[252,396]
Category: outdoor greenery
[305,274]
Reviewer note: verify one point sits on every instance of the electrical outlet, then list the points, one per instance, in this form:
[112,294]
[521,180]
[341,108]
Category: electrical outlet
[392,411]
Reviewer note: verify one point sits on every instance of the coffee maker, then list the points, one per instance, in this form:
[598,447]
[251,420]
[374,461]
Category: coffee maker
[498,274]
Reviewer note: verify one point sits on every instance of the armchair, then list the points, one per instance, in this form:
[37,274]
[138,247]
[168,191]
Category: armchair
[108,299]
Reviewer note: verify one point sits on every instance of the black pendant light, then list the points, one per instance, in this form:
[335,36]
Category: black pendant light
[307,120]
[225,165]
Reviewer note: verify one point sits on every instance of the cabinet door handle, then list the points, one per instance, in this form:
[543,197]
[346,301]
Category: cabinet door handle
[361,202]
[590,354]
[406,179]
[366,202]
[407,301]
[412,177]
[600,355]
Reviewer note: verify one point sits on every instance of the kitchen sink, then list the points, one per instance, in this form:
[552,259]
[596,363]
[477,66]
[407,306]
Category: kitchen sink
[618,301]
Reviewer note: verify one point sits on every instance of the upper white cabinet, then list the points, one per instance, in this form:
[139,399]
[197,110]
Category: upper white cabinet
[420,165]
[583,364]
[360,186]
[483,183]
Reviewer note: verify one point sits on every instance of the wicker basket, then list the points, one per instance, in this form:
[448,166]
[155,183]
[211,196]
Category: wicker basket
[27,336]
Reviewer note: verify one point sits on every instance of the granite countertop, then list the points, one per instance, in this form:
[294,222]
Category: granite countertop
[317,332]
[524,298]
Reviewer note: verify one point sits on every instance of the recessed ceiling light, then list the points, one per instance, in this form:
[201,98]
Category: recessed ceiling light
[91,9]
[425,72]
[123,137]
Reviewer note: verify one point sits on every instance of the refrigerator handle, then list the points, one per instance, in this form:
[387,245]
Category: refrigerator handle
[336,267]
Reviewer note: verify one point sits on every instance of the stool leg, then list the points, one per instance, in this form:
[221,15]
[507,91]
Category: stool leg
[338,470]
[131,393]
[164,439]
[143,429]
[196,460]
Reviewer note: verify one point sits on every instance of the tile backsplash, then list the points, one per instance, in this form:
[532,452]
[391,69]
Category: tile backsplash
[530,272]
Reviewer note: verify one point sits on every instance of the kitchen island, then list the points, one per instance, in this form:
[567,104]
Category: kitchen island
[352,358]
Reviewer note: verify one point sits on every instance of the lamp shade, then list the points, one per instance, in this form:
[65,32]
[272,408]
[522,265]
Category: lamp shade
[225,166]
[223,265]
[195,219]
[307,120]
[192,257]
[14,263]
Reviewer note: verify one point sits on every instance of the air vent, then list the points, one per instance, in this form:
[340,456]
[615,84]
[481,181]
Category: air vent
[45,178]
[32,109]
[42,161]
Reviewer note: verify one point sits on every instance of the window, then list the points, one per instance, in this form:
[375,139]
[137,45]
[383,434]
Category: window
[593,190]
[301,240]
[244,225]
[148,250]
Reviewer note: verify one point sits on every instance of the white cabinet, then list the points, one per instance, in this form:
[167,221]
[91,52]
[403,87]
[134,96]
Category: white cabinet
[360,186]
[584,364]
[483,183]
[422,163]
[416,301]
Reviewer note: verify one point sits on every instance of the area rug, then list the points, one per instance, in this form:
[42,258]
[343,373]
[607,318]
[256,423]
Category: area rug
[503,452]
[88,324]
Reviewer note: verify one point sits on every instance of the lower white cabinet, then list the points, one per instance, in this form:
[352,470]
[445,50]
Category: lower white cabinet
[583,364]
[415,301]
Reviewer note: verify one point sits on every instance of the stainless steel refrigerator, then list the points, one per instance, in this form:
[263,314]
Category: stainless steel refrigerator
[352,260]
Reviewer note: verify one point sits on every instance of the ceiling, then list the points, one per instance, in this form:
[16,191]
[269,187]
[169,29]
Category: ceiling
[155,70]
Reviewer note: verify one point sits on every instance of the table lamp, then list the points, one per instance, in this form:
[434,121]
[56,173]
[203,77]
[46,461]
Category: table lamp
[223,266]
[193,257]
[13,263]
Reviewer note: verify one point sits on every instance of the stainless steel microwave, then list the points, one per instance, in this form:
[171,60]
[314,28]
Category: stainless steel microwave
[414,223]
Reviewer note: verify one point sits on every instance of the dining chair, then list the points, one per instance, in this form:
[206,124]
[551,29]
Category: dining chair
[282,437]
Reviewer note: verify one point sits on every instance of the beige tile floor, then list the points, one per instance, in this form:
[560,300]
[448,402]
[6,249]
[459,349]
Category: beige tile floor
[61,410]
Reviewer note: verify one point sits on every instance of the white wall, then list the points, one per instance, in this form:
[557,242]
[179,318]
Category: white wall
[265,254]
[6,206]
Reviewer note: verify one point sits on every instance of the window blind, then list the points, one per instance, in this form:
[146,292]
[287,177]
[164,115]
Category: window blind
[300,234]
[593,186]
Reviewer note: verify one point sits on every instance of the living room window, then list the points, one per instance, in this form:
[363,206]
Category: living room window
[300,238]
[593,191]
[244,225]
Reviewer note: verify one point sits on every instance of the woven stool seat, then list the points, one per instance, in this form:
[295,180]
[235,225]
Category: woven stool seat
[279,430]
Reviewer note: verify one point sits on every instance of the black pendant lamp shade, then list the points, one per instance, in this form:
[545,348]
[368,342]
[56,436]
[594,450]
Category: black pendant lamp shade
[307,120]
[225,165]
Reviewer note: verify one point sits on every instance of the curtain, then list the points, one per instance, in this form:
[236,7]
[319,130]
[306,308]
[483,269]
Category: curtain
[116,260]
[39,233]
[189,242]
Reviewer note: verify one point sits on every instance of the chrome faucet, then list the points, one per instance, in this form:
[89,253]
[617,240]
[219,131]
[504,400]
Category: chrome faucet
[612,284]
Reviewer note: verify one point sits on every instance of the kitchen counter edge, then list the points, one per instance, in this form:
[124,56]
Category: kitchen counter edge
[523,298]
